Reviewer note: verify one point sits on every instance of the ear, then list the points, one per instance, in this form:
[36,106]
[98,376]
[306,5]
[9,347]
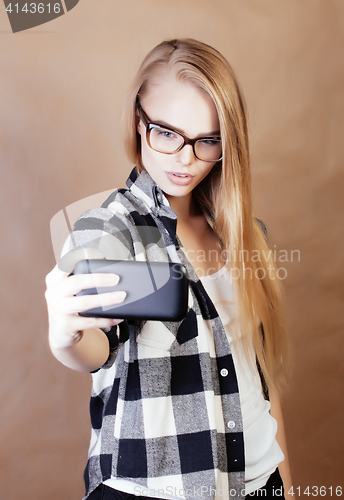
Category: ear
[138,121]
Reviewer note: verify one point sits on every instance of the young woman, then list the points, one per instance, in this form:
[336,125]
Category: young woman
[186,409]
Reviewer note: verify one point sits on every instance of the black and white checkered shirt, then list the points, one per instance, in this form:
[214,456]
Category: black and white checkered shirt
[165,407]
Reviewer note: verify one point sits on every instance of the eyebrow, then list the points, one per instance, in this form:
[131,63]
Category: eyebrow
[162,123]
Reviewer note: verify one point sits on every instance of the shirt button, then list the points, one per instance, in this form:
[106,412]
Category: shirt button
[231,424]
[224,372]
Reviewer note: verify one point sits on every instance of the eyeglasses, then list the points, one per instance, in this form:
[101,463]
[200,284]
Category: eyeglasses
[167,140]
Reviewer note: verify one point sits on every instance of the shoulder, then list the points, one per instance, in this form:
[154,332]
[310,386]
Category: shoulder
[118,206]
[107,228]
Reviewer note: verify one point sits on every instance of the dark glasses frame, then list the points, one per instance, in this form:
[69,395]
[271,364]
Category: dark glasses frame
[150,125]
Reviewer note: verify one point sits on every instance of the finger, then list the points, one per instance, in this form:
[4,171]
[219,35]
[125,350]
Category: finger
[76,283]
[76,325]
[80,323]
[86,302]
[69,261]
[55,277]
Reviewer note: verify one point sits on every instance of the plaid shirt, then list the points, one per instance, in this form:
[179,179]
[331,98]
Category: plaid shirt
[165,408]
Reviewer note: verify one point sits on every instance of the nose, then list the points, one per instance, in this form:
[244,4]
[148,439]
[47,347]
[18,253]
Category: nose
[186,155]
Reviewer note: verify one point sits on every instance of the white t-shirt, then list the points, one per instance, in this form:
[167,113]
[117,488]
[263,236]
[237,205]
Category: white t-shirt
[262,452]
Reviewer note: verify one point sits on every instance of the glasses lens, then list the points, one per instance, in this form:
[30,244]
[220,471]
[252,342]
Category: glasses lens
[164,140]
[208,149]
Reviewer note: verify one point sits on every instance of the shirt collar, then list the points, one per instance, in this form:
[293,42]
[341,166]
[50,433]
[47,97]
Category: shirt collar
[144,187]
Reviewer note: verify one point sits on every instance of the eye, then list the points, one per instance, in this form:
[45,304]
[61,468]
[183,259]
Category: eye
[167,134]
[164,134]
[215,141]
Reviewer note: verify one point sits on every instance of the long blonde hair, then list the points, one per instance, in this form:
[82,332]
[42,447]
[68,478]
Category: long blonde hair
[225,195]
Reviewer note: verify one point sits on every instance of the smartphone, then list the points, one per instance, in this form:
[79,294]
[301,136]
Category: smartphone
[155,290]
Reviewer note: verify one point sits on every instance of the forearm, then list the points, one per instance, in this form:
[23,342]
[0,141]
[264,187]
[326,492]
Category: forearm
[86,355]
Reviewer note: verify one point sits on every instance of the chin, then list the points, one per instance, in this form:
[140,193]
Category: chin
[177,191]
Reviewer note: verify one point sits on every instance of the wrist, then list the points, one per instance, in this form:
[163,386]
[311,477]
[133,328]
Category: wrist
[65,340]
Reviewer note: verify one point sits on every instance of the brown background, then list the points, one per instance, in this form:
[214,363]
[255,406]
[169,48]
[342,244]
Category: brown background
[61,92]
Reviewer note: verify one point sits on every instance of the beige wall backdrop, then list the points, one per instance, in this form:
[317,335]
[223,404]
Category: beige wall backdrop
[62,87]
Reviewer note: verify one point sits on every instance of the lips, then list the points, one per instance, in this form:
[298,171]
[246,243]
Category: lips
[179,178]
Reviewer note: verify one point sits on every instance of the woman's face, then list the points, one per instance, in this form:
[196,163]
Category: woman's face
[187,109]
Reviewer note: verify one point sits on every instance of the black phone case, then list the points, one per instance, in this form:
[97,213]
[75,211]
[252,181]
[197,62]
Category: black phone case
[155,290]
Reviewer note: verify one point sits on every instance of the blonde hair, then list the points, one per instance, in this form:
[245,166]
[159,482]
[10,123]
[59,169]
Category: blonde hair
[225,195]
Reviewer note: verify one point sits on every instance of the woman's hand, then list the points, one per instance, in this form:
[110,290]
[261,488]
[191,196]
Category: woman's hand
[66,327]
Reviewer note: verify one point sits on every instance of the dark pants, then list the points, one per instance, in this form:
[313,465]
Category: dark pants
[273,490]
